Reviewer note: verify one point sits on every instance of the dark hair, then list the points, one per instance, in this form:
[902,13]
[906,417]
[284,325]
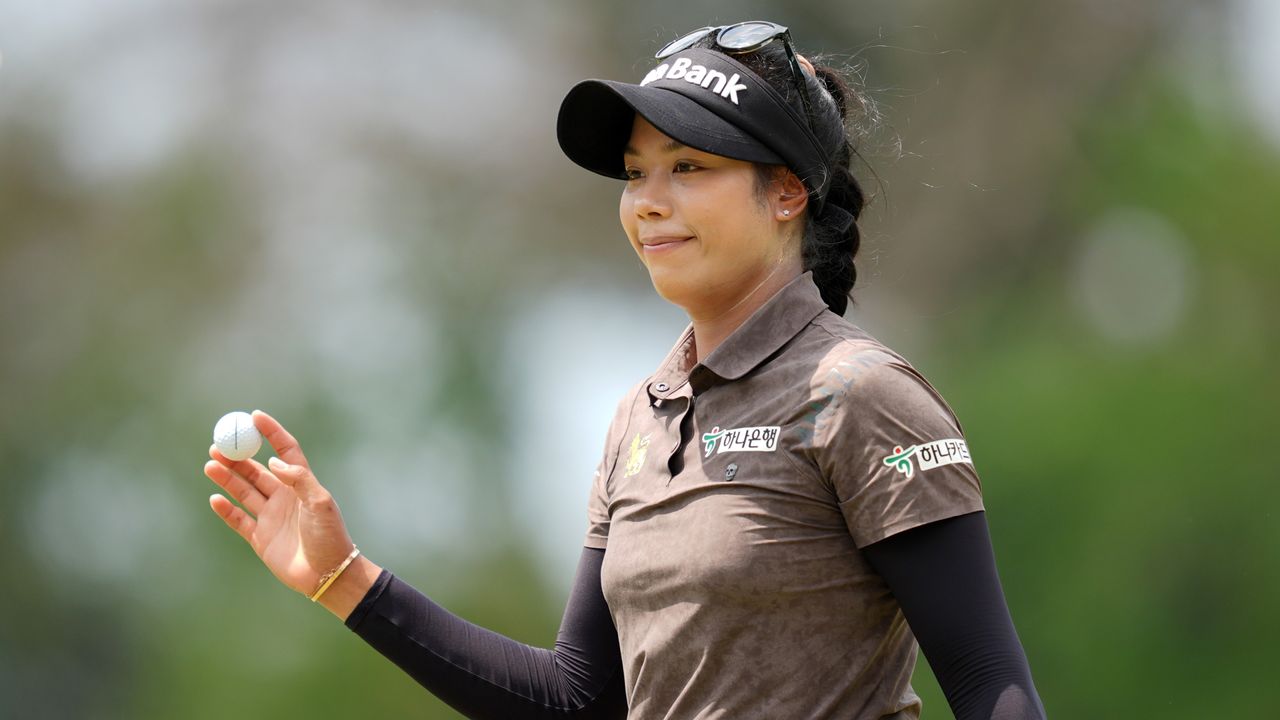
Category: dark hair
[825,250]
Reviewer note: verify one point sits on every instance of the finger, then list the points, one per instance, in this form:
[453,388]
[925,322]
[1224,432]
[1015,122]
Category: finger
[303,482]
[284,444]
[238,487]
[234,517]
[250,470]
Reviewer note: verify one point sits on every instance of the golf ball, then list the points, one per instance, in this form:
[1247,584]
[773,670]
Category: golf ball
[236,437]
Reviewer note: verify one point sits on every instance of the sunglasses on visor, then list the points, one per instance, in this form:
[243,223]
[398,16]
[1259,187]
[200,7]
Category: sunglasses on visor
[746,37]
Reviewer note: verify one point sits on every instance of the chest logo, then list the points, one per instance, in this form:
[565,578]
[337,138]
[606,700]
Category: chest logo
[635,461]
[931,455]
[747,439]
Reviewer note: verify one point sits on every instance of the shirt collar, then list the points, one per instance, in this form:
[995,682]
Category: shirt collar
[779,319]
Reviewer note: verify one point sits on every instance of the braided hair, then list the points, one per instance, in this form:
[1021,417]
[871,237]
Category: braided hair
[827,248]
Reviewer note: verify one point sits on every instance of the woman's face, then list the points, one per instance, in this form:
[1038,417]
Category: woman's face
[697,223]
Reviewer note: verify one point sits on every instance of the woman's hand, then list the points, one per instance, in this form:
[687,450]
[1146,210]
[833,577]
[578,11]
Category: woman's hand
[292,523]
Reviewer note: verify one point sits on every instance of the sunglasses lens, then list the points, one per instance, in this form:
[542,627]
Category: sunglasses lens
[681,43]
[749,35]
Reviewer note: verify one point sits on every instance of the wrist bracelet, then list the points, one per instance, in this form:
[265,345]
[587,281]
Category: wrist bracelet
[327,579]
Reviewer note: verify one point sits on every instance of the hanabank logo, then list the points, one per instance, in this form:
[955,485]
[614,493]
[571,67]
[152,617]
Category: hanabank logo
[747,439]
[717,82]
[931,455]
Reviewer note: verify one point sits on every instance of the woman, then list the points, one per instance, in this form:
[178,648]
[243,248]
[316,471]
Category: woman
[783,509]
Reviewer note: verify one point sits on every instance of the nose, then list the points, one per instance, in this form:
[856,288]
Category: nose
[651,199]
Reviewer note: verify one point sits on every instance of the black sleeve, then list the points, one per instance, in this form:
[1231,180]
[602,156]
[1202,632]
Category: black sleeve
[482,674]
[943,575]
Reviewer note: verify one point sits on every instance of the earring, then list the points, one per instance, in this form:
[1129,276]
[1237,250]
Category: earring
[786,212]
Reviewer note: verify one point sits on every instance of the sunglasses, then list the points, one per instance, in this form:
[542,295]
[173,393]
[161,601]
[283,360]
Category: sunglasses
[746,37]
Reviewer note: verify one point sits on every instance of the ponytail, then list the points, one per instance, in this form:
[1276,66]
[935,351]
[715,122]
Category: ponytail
[839,117]
[830,245]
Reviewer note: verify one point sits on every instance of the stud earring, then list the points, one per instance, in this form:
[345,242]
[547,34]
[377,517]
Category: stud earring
[786,212]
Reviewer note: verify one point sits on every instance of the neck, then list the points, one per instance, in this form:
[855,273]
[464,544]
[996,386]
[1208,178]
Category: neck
[711,325]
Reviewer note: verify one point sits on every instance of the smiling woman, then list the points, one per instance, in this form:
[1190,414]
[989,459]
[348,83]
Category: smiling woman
[706,260]
[782,509]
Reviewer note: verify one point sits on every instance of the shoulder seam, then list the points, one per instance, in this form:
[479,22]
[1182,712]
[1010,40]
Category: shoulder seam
[876,345]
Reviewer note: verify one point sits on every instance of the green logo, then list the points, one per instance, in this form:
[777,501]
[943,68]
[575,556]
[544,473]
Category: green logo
[710,439]
[901,459]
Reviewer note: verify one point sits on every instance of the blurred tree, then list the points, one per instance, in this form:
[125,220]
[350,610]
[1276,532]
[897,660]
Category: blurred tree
[344,229]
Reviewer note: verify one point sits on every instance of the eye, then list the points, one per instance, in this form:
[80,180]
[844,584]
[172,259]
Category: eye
[632,173]
[686,165]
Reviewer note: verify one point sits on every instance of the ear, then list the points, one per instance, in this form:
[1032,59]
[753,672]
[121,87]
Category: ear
[789,195]
[807,64]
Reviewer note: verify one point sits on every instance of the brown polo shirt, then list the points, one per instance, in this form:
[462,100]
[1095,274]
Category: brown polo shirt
[733,498]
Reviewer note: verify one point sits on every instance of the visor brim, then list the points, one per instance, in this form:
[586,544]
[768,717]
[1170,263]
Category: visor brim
[596,116]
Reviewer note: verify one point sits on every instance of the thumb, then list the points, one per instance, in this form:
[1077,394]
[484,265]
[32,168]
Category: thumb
[300,479]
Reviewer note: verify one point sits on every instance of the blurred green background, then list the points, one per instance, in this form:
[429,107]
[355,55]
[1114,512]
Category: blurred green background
[356,217]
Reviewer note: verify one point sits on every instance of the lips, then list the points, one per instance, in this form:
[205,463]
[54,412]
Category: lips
[659,241]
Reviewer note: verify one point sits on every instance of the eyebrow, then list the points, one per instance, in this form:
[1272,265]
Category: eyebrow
[669,147]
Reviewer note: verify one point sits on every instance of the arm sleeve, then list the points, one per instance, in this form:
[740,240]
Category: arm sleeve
[944,578]
[482,674]
[891,448]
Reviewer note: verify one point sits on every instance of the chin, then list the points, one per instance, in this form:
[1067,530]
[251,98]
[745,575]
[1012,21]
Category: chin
[677,286]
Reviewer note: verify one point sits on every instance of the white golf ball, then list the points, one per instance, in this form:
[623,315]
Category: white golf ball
[236,437]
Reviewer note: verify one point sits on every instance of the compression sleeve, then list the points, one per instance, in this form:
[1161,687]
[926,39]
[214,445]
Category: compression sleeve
[943,575]
[482,674]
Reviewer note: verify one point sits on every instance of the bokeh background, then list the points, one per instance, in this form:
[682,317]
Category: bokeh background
[356,217]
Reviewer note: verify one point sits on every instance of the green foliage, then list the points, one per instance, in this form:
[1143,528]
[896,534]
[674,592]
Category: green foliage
[1130,491]
[1129,488]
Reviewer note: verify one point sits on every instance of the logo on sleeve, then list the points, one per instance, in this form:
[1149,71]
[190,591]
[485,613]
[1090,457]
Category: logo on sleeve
[748,439]
[635,461]
[931,455]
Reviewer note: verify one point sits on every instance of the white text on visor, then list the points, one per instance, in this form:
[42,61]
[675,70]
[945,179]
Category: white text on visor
[700,75]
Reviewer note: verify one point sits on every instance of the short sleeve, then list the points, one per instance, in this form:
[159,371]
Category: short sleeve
[598,508]
[892,449]
[598,502]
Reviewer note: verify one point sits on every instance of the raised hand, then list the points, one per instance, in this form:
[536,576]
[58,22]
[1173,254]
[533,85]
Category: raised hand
[286,516]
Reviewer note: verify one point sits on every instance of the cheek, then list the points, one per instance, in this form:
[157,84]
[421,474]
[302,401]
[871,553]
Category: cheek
[739,225]
[627,216]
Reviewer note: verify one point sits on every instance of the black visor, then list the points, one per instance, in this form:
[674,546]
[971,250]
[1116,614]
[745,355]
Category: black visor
[702,98]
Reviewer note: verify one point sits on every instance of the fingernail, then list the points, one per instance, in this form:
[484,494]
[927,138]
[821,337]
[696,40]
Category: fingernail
[277,464]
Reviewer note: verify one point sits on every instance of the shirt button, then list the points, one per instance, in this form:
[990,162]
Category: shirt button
[662,387]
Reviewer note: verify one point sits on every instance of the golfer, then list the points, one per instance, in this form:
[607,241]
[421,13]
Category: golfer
[785,510]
